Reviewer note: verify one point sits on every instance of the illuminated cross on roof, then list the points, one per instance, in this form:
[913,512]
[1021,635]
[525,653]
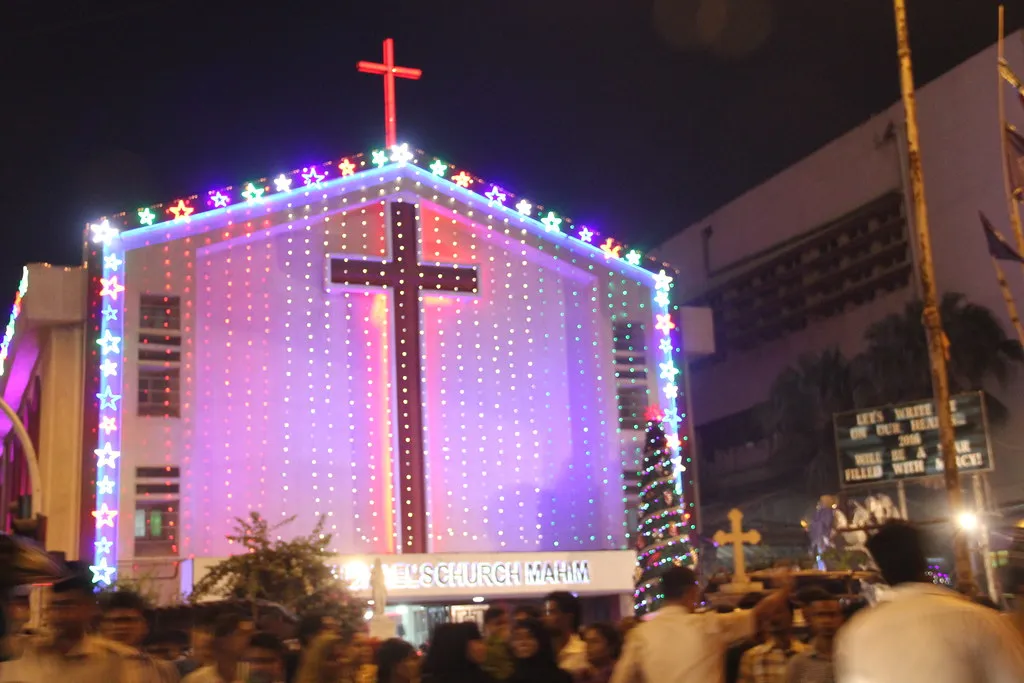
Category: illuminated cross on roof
[406,276]
[390,72]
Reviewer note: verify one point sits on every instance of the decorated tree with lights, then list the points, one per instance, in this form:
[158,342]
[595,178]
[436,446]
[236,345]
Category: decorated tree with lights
[662,536]
[295,574]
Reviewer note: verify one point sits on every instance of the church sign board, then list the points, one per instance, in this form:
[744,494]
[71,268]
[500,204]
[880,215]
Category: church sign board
[899,442]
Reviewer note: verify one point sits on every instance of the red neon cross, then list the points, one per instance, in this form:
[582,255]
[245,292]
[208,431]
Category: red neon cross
[407,276]
[390,72]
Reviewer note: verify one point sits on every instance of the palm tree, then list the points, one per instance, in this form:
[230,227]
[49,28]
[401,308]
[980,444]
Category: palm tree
[802,401]
[895,367]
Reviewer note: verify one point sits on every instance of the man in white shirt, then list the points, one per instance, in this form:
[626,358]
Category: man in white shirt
[920,632]
[679,646]
[562,617]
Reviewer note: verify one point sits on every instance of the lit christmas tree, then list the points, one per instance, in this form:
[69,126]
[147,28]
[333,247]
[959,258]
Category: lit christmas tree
[663,533]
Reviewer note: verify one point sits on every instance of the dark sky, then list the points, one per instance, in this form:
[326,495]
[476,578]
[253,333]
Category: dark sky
[638,116]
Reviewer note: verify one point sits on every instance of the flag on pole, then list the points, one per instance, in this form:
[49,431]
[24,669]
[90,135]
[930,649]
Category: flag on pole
[998,247]
[1015,161]
[1000,250]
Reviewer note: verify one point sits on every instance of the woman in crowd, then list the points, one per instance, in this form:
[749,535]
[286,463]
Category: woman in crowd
[455,655]
[327,659]
[533,655]
[604,645]
[397,662]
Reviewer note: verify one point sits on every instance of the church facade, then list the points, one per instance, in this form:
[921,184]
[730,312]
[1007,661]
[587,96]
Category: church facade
[433,365]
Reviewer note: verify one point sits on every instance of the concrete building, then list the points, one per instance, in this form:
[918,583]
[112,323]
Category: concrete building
[810,258]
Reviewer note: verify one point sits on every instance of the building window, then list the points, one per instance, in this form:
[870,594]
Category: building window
[630,344]
[157,501]
[159,312]
[159,391]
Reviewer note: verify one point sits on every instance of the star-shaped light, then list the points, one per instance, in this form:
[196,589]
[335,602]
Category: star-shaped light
[673,442]
[400,154]
[282,183]
[632,257]
[671,391]
[105,486]
[102,572]
[108,343]
[219,199]
[438,168]
[103,233]
[110,287]
[672,419]
[462,179]
[664,323]
[662,280]
[346,167]
[586,234]
[111,262]
[109,313]
[552,223]
[665,345]
[146,217]
[668,371]
[496,195]
[311,177]
[106,456]
[610,249]
[181,210]
[379,157]
[108,368]
[104,516]
[253,193]
[108,399]
[103,546]
[108,424]
[524,207]
[661,298]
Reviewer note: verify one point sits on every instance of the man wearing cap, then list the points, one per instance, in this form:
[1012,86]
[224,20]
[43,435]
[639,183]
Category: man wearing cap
[70,653]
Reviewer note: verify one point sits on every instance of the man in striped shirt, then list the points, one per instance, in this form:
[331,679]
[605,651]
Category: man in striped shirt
[824,615]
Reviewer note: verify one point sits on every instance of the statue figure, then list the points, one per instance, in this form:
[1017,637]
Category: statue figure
[378,587]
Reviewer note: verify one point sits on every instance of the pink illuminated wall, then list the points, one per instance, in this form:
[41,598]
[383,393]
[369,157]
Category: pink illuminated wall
[288,380]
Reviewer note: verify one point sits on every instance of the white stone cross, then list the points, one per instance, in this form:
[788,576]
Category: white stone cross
[737,537]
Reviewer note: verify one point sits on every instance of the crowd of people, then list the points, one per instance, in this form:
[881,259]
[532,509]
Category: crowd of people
[917,632]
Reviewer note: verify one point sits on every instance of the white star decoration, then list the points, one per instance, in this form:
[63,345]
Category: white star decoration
[111,262]
[400,154]
[283,183]
[104,516]
[102,572]
[103,233]
[109,343]
[106,456]
[524,207]
[105,486]
[103,546]
[108,368]
[662,280]
[586,234]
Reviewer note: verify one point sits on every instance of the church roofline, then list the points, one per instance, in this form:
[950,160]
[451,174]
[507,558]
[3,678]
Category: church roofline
[358,167]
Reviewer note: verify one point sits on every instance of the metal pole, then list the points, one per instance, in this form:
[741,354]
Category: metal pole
[984,540]
[34,477]
[901,493]
[1011,201]
[932,319]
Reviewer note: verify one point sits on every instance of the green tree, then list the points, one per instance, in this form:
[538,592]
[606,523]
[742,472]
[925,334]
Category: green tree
[663,535]
[801,403]
[296,574]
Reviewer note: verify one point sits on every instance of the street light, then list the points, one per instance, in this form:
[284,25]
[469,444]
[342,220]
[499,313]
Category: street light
[968,521]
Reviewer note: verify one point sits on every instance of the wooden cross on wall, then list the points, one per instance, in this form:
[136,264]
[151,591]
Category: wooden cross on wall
[406,276]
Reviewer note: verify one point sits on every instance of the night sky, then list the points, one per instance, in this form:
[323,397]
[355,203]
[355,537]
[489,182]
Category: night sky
[636,116]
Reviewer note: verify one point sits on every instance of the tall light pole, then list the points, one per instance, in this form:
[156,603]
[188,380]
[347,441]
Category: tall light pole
[937,345]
